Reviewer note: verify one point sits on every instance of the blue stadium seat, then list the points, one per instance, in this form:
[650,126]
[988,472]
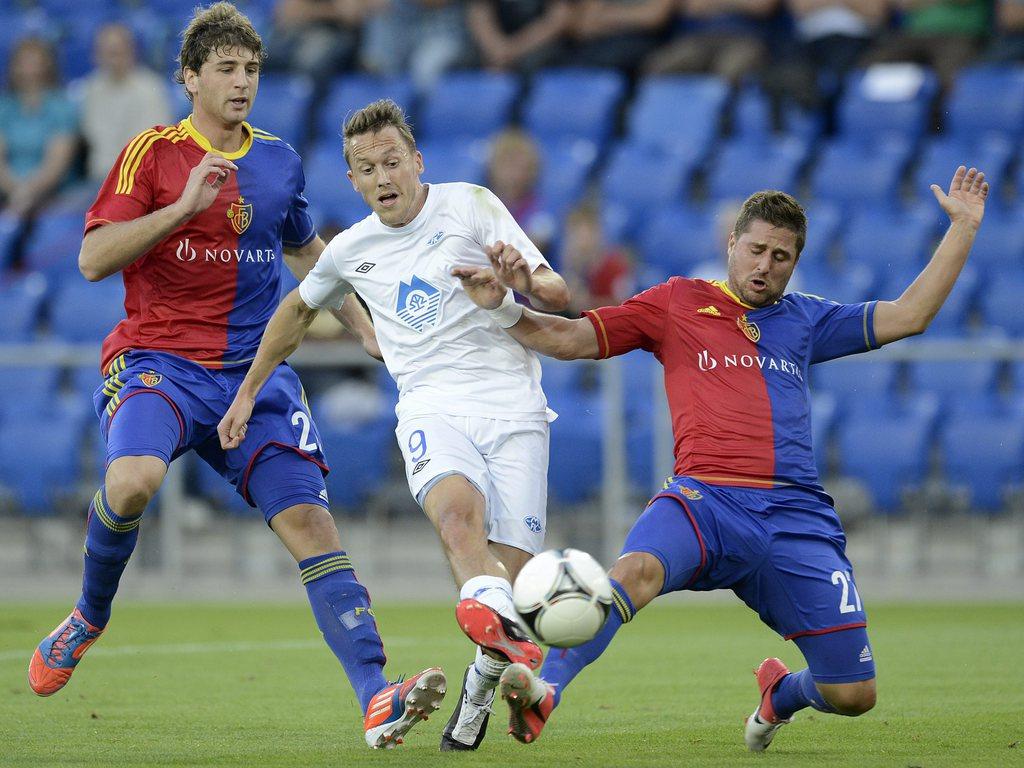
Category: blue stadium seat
[22,302]
[677,237]
[37,470]
[87,312]
[446,161]
[824,222]
[887,100]
[575,465]
[752,119]
[358,456]
[282,107]
[474,104]
[561,379]
[32,390]
[851,172]
[641,179]
[856,377]
[846,284]
[987,99]
[953,317]
[888,454]
[743,167]
[574,103]
[985,454]
[888,240]
[566,165]
[328,190]
[53,244]
[999,244]
[680,114]
[942,155]
[352,92]
[219,491]
[1000,302]
[975,379]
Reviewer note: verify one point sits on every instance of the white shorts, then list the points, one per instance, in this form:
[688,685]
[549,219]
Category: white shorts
[506,460]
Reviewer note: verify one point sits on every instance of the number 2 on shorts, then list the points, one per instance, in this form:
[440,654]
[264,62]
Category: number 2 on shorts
[843,579]
[417,445]
[299,418]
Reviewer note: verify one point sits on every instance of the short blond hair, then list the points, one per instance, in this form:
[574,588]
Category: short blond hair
[373,118]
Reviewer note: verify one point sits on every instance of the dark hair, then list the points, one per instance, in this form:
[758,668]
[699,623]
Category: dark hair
[776,208]
[52,75]
[212,29]
[376,117]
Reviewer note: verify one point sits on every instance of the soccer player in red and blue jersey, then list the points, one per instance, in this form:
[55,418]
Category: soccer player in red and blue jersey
[745,510]
[197,217]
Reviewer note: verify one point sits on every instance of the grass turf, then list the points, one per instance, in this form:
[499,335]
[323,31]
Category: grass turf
[251,685]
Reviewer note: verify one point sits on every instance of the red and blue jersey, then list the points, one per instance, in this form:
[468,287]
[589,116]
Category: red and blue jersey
[207,290]
[736,376]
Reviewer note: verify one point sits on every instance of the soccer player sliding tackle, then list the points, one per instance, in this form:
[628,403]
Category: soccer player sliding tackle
[196,217]
[745,510]
[472,418]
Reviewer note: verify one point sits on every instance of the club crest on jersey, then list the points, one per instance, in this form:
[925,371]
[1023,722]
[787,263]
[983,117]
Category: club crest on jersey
[150,378]
[750,330]
[240,215]
[690,493]
[419,304]
[438,236]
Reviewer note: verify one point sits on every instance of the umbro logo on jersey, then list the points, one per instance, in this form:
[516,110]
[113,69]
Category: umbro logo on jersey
[419,304]
[865,655]
[709,310]
[436,238]
[420,466]
[365,267]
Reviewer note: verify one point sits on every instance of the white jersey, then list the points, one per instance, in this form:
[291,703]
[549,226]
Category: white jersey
[445,353]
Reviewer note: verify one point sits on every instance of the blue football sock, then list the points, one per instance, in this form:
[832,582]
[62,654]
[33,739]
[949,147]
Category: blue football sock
[563,664]
[109,542]
[797,691]
[341,606]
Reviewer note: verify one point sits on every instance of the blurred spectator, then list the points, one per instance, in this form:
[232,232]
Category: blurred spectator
[512,174]
[719,37]
[119,100]
[618,33]
[318,38]
[831,37]
[422,37]
[38,128]
[597,274]
[941,34]
[1008,45]
[519,34]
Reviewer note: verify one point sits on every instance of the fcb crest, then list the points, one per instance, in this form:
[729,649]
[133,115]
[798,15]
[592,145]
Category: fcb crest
[150,378]
[690,493]
[750,330]
[419,304]
[240,215]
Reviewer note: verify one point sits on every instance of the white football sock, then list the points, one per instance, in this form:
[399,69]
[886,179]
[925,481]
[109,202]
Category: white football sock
[492,591]
[483,678]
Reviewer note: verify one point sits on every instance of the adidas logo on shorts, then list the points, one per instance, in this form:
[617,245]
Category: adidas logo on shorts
[865,655]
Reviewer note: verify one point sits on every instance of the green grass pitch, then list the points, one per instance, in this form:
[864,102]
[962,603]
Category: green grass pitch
[252,685]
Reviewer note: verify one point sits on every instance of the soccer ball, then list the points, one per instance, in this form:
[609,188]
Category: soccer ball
[563,596]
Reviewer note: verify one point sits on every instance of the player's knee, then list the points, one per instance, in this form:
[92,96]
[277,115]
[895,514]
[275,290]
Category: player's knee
[641,575]
[308,526]
[129,488]
[852,699]
[460,527]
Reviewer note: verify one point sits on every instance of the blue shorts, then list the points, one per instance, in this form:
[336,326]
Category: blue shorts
[781,550]
[162,405]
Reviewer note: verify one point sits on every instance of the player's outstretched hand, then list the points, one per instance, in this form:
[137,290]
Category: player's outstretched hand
[231,429]
[510,267]
[481,285]
[204,183]
[966,199]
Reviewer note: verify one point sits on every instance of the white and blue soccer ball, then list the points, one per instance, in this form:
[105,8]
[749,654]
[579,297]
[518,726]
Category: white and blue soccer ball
[563,596]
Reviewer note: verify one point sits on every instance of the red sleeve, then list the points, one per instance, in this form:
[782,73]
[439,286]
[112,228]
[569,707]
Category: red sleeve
[637,323]
[127,192]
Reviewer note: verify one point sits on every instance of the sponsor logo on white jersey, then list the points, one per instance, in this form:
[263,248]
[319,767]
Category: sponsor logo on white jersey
[418,304]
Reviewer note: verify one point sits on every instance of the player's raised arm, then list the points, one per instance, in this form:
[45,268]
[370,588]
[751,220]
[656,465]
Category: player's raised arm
[283,335]
[112,247]
[550,335]
[914,310]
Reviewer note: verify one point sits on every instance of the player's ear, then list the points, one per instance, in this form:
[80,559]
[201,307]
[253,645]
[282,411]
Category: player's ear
[732,243]
[191,76]
[352,178]
[419,163]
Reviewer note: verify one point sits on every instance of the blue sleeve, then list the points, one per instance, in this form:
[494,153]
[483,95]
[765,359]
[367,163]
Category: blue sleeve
[298,225]
[838,330]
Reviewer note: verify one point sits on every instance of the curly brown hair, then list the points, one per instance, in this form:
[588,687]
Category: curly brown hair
[213,29]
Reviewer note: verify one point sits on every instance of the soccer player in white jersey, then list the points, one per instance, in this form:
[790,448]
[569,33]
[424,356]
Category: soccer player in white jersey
[480,478]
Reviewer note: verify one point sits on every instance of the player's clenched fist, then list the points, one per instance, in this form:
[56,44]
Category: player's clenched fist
[204,183]
[510,267]
[232,427]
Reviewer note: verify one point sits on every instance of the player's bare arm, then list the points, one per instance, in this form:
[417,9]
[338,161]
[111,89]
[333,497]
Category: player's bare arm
[283,335]
[913,311]
[353,314]
[112,247]
[545,288]
[551,335]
